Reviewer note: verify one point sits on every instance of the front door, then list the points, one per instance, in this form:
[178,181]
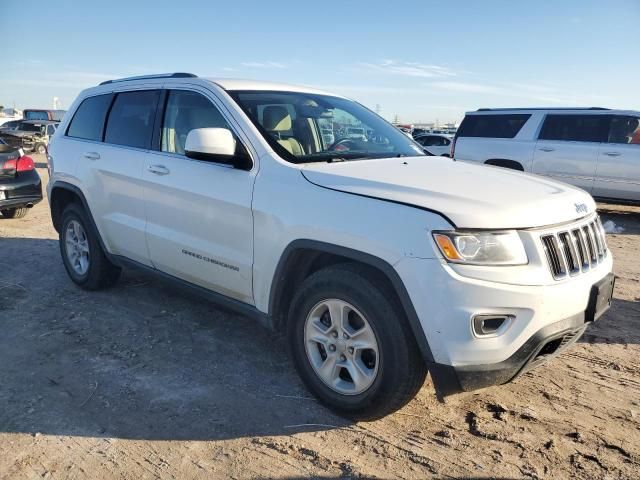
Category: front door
[199,218]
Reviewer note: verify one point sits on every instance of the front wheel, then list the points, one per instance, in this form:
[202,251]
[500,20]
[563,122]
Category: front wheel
[351,345]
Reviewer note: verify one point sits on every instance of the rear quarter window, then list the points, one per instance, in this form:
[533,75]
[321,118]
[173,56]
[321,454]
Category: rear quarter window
[492,126]
[88,121]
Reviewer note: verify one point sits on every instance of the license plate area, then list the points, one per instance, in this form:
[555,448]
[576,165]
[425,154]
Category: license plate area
[600,298]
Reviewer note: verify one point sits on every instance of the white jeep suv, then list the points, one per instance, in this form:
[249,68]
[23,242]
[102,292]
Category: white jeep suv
[595,149]
[379,263]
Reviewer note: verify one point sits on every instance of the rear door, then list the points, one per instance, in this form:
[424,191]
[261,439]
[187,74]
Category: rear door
[112,171]
[567,147]
[618,170]
[199,217]
[495,136]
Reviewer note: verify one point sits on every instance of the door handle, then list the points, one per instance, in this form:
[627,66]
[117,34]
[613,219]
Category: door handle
[612,154]
[158,169]
[92,155]
[546,149]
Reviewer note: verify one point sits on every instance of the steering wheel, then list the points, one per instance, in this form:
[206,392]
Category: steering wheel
[342,145]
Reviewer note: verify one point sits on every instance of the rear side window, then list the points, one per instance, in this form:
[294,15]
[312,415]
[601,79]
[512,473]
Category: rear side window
[131,118]
[625,130]
[88,121]
[492,126]
[575,128]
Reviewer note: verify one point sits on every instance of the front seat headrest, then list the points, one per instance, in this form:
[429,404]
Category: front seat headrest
[276,119]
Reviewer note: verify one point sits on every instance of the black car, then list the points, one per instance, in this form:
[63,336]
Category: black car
[20,185]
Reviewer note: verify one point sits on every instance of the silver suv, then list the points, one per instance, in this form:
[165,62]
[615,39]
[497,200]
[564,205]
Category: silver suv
[595,149]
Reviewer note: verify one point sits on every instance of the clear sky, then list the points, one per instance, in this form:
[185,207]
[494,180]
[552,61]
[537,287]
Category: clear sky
[420,60]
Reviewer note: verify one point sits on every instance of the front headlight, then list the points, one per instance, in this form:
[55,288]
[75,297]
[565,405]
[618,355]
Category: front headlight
[482,248]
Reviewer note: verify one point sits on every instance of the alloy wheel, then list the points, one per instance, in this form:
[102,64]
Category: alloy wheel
[341,346]
[77,247]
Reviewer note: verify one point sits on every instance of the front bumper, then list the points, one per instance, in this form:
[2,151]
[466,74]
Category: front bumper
[546,320]
[544,345]
[22,190]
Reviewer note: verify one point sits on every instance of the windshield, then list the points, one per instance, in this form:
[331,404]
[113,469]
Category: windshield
[30,127]
[303,127]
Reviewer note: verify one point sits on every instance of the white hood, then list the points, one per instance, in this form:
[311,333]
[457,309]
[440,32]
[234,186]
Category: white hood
[470,195]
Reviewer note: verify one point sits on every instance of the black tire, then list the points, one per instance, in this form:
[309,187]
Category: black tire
[14,212]
[401,370]
[40,148]
[101,272]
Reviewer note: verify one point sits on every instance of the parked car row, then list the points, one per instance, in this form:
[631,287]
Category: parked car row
[595,149]
[435,131]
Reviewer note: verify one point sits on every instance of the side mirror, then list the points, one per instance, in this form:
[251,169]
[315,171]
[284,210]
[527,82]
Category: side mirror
[216,145]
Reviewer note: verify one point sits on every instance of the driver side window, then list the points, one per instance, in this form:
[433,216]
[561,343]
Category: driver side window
[187,111]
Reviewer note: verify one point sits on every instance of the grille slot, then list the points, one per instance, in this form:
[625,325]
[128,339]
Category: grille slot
[599,249]
[569,252]
[575,250]
[591,243]
[581,247]
[554,256]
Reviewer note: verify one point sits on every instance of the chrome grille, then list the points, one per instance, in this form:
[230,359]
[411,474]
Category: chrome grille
[576,249]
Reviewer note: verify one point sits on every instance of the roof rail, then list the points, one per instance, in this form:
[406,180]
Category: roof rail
[149,77]
[539,108]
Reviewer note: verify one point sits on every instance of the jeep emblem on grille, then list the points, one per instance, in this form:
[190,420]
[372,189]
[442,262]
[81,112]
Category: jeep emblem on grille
[581,208]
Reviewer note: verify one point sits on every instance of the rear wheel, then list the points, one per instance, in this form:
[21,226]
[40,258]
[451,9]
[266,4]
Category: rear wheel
[351,345]
[82,254]
[14,212]
[41,149]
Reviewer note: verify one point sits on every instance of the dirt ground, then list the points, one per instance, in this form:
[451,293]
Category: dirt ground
[141,381]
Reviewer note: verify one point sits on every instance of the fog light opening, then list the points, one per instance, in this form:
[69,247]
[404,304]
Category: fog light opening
[491,325]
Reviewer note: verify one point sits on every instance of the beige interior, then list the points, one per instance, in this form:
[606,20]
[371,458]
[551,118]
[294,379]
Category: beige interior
[277,121]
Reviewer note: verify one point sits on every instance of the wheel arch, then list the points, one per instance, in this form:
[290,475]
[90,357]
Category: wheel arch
[304,257]
[61,195]
[505,163]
